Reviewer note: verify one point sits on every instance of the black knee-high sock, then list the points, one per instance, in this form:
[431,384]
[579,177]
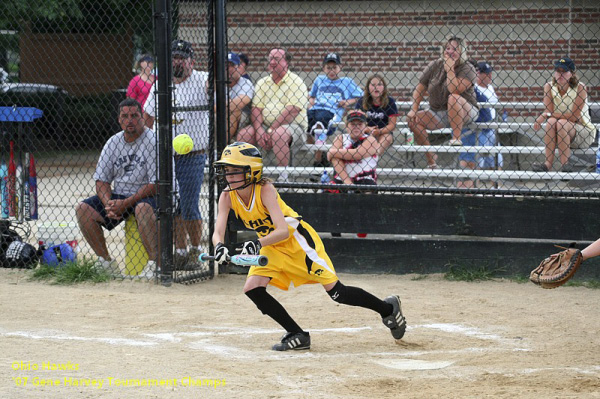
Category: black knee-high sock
[355,296]
[272,308]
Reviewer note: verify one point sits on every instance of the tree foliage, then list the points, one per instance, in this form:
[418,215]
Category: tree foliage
[77,16]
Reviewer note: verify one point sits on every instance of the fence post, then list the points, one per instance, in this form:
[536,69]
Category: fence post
[162,37]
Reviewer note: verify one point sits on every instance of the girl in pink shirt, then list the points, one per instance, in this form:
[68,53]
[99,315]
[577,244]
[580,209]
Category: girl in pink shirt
[140,86]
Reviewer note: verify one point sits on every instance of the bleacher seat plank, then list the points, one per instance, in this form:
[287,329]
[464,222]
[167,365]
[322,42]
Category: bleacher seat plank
[300,171]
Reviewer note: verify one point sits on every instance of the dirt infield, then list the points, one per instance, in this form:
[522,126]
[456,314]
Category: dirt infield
[494,339]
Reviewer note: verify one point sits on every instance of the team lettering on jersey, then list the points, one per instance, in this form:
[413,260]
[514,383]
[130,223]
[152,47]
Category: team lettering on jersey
[261,226]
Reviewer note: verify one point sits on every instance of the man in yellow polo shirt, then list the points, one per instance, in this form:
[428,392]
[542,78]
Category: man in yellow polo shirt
[278,110]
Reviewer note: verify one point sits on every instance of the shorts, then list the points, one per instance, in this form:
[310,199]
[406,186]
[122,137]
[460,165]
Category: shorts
[108,223]
[320,115]
[301,259]
[584,137]
[442,117]
[297,132]
[486,137]
[244,120]
[189,172]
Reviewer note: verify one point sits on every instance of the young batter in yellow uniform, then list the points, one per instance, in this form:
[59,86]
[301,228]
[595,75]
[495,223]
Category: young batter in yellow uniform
[295,251]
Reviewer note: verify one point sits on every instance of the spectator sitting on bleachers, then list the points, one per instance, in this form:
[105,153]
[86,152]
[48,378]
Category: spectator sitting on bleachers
[484,92]
[354,154]
[567,116]
[449,82]
[278,116]
[381,112]
[329,97]
[244,66]
[240,96]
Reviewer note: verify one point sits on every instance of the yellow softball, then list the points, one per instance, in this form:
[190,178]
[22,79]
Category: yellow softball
[183,144]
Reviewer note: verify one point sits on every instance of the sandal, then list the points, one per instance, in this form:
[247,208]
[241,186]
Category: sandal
[455,142]
[432,166]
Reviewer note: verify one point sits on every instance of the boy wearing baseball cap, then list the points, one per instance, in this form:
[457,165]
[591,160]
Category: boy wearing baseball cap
[484,92]
[329,97]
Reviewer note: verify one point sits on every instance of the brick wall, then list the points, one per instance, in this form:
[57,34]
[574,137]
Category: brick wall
[521,40]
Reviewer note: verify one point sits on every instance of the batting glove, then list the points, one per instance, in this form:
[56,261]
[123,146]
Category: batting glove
[221,254]
[250,248]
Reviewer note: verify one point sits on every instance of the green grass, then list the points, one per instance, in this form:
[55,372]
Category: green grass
[461,271]
[592,284]
[71,273]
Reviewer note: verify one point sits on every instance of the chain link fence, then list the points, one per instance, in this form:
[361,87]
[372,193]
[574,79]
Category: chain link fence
[480,134]
[69,72]
[463,97]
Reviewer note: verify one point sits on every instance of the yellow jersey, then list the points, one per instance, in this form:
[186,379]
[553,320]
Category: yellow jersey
[255,215]
[299,259]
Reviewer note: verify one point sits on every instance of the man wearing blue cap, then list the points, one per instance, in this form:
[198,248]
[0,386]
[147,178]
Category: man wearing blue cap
[241,92]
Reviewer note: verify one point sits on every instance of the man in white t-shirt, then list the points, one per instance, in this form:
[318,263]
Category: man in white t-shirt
[125,184]
[190,90]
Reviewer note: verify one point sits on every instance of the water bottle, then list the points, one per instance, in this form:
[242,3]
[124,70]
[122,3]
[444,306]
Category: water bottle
[324,178]
[410,138]
[505,116]
[320,133]
[321,137]
[598,160]
[334,124]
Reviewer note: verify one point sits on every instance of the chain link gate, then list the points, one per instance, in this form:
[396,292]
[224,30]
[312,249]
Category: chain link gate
[67,68]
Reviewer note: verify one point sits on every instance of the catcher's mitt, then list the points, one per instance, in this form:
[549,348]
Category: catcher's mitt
[556,270]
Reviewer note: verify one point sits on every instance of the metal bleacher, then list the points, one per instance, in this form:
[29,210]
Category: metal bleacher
[519,141]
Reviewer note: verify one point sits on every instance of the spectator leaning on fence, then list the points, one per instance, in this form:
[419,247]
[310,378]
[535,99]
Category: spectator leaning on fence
[128,162]
[567,116]
[189,90]
[140,86]
[329,97]
[484,92]
[449,83]
[381,111]
[241,92]
[354,154]
[278,118]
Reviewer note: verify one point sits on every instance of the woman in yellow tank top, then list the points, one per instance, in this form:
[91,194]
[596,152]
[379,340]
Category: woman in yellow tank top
[296,253]
[567,117]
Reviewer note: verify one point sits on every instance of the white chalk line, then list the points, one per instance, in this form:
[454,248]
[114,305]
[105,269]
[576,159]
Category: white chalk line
[61,336]
[216,331]
[395,360]
[206,342]
[159,338]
